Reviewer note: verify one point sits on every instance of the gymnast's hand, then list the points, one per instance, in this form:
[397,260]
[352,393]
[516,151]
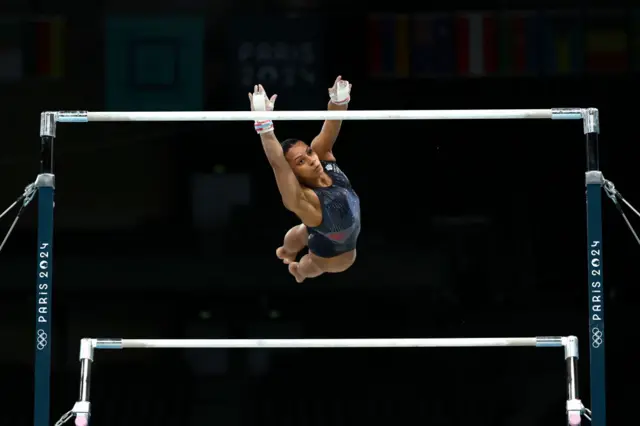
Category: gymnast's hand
[260,101]
[340,93]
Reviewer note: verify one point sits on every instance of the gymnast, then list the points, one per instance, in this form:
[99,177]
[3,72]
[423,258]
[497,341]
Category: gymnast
[314,188]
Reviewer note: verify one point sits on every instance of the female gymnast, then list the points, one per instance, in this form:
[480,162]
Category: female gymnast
[314,188]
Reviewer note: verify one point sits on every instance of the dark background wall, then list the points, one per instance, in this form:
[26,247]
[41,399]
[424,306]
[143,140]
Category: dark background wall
[169,229]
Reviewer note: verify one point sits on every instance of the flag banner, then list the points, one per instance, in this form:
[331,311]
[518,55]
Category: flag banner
[10,50]
[634,48]
[388,46]
[32,48]
[154,64]
[519,44]
[43,43]
[476,44]
[562,44]
[433,46]
[607,42]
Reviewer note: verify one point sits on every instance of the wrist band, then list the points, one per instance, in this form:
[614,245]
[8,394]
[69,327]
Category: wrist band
[344,102]
[263,126]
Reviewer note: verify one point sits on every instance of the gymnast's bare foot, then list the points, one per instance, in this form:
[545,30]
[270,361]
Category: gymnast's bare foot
[286,256]
[293,270]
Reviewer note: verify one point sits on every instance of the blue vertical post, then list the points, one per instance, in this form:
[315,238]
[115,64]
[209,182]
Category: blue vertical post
[44,272]
[594,180]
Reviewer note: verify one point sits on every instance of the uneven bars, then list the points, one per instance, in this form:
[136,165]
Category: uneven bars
[489,114]
[82,407]
[106,343]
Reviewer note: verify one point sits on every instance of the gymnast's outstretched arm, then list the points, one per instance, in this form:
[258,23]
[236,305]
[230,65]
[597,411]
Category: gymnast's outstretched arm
[293,196]
[340,97]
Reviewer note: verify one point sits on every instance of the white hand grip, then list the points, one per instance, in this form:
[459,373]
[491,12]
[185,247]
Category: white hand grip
[259,102]
[342,91]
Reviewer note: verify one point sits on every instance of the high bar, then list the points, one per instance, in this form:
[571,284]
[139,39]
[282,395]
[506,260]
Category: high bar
[489,114]
[107,343]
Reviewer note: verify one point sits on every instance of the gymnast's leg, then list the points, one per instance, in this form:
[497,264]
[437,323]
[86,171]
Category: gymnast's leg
[308,267]
[311,265]
[294,241]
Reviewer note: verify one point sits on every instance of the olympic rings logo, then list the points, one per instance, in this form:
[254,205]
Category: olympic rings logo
[596,337]
[41,339]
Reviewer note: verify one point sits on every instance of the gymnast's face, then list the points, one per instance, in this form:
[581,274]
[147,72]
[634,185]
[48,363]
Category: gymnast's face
[304,162]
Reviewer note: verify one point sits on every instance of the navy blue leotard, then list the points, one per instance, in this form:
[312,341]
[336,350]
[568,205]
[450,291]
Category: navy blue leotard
[340,225]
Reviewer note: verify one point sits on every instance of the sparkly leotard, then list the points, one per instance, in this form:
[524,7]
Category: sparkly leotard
[340,227]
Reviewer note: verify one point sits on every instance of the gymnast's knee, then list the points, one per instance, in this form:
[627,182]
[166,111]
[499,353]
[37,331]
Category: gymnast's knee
[298,233]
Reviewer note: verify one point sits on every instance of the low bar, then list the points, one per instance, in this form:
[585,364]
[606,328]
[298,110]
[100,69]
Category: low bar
[498,114]
[82,408]
[317,343]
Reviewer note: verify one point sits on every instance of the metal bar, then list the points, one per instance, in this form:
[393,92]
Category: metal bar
[313,343]
[89,116]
